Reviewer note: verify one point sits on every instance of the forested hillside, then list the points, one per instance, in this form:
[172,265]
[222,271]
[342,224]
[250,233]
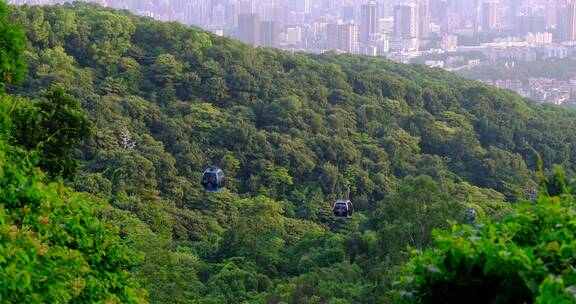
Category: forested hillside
[412,147]
[53,247]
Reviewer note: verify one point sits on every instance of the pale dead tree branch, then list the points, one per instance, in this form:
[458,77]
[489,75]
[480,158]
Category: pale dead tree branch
[125,139]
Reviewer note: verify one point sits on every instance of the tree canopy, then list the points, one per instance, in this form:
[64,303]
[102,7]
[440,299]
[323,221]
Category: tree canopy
[12,41]
[131,111]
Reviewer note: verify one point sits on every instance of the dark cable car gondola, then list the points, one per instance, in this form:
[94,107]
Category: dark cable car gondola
[343,209]
[213,179]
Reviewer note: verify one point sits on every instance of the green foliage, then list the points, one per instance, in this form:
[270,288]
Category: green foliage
[525,257]
[53,66]
[52,247]
[52,127]
[236,284]
[408,217]
[412,147]
[341,283]
[12,41]
[258,234]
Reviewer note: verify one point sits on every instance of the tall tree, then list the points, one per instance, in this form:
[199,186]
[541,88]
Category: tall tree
[12,41]
[52,127]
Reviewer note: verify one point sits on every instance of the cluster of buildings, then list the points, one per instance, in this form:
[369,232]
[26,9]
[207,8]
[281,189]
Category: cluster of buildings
[547,90]
[531,47]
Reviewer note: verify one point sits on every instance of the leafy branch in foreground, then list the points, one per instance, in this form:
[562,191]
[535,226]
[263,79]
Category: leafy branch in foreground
[527,257]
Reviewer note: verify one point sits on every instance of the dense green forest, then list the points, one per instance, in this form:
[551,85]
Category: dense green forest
[129,111]
[53,246]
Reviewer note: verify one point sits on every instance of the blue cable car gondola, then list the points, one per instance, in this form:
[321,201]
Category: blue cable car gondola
[213,179]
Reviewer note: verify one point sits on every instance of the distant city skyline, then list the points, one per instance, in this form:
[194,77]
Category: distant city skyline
[397,29]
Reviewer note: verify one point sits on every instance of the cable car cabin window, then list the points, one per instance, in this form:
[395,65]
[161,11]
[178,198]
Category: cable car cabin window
[341,210]
[209,179]
[213,180]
